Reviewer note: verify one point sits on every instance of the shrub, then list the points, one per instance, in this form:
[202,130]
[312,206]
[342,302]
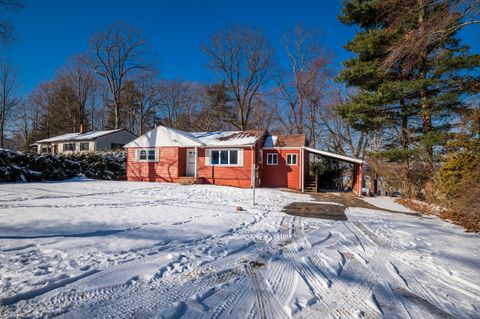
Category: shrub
[458,188]
[27,167]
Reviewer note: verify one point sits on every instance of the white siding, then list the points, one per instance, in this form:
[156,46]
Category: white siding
[102,143]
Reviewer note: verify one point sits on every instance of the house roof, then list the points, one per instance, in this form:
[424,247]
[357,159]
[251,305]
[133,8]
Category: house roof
[297,140]
[165,136]
[78,136]
[229,138]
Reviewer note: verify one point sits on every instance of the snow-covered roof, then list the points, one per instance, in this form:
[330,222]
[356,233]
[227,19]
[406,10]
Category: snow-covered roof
[333,155]
[165,136]
[297,140]
[228,138]
[77,136]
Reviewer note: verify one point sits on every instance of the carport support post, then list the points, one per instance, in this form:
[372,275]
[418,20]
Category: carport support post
[196,162]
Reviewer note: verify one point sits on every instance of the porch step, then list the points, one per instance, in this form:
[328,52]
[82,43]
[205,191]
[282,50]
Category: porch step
[190,180]
[310,186]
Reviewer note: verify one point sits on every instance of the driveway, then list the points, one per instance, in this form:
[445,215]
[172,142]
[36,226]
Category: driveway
[91,249]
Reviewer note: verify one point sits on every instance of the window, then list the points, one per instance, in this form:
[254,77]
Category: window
[291,159]
[224,157]
[148,155]
[84,146]
[272,159]
[69,147]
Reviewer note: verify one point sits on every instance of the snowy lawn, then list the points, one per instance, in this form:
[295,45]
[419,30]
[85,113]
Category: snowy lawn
[86,249]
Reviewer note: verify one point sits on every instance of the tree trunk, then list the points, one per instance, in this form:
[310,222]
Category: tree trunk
[425,107]
[405,141]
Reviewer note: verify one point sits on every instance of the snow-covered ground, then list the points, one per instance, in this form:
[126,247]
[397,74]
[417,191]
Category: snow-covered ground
[387,203]
[86,249]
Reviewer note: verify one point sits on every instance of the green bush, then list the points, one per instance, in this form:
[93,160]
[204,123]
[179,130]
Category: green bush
[27,167]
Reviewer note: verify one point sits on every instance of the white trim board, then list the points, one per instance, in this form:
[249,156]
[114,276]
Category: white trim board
[333,155]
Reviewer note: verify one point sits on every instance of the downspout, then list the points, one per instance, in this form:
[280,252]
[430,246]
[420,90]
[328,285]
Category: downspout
[253,179]
[302,165]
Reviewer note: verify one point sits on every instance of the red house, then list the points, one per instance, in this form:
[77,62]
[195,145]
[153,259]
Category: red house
[231,158]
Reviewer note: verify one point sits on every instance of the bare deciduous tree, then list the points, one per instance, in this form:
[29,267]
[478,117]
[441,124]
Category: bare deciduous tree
[304,81]
[301,48]
[6,28]
[175,103]
[335,133]
[77,75]
[147,101]
[242,57]
[8,99]
[118,53]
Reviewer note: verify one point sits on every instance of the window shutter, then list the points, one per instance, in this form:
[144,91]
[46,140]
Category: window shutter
[137,155]
[207,157]
[240,157]
[157,155]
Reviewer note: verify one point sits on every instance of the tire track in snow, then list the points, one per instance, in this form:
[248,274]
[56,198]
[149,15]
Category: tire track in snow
[266,303]
[406,269]
[363,281]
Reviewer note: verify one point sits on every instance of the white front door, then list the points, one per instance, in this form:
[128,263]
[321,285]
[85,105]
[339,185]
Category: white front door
[191,162]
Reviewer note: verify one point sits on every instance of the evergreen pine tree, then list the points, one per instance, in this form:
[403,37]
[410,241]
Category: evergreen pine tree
[411,82]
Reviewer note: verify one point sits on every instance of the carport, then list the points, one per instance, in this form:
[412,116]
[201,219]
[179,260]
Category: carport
[357,178]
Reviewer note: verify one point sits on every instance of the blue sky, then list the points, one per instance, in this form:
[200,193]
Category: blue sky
[48,31]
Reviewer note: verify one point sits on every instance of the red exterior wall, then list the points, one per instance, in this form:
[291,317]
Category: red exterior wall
[357,179]
[165,170]
[239,176]
[282,175]
[172,165]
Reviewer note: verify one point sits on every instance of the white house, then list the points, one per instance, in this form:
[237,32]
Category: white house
[84,142]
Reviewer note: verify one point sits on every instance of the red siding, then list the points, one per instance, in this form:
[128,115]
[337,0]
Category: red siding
[172,165]
[228,176]
[282,175]
[165,170]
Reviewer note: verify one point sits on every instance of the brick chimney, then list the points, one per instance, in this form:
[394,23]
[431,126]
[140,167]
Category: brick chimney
[82,129]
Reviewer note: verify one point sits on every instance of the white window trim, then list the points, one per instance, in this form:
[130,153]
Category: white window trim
[296,159]
[239,162]
[157,155]
[80,146]
[272,164]
[69,143]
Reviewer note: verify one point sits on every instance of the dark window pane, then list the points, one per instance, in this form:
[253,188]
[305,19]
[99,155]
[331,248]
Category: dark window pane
[143,155]
[223,157]
[151,155]
[272,159]
[215,157]
[69,147]
[234,157]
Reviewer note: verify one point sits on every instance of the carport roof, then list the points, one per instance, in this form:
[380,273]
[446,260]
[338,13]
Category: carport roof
[335,156]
